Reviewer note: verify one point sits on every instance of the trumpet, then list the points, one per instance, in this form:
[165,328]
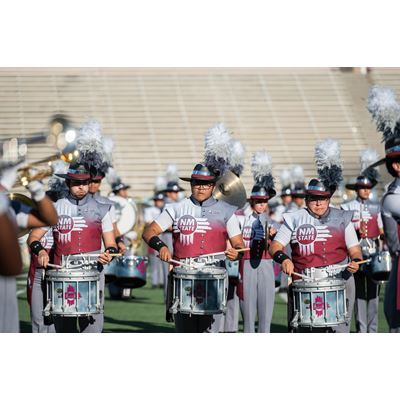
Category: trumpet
[29,173]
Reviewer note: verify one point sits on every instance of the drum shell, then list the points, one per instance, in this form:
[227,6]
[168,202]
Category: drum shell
[380,267]
[320,304]
[73,292]
[200,291]
[110,271]
[131,272]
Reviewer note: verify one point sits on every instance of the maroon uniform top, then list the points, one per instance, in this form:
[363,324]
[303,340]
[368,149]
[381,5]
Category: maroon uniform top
[317,242]
[199,228]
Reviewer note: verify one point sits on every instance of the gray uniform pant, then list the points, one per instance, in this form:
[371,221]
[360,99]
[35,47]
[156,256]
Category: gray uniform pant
[258,295]
[38,302]
[366,305]
[157,272]
[92,324]
[231,317]
[9,319]
[185,323]
[350,299]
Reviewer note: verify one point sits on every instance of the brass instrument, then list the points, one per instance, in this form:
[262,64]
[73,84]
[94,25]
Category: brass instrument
[24,200]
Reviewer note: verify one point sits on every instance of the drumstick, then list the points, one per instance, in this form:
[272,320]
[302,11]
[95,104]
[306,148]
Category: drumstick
[98,255]
[54,265]
[221,253]
[363,261]
[179,263]
[301,275]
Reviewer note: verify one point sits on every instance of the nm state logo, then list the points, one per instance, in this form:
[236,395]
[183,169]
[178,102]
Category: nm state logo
[187,225]
[306,234]
[65,224]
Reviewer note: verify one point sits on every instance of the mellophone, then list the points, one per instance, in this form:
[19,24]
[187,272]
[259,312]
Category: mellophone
[73,288]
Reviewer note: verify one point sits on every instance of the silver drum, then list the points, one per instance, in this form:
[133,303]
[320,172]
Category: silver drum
[110,270]
[73,292]
[319,304]
[380,267]
[131,272]
[200,290]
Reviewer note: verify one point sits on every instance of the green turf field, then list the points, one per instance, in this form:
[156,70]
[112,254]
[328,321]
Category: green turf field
[146,313]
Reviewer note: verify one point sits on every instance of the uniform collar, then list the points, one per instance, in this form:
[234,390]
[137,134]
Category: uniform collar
[206,203]
[77,202]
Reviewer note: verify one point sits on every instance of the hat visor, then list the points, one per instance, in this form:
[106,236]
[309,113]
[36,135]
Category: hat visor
[73,177]
[258,198]
[202,178]
[318,193]
[356,186]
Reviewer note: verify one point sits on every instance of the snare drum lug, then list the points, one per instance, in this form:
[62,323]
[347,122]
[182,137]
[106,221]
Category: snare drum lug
[294,322]
[46,311]
[174,308]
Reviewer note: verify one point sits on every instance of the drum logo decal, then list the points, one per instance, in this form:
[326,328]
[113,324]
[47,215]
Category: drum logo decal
[187,225]
[319,306]
[307,234]
[71,295]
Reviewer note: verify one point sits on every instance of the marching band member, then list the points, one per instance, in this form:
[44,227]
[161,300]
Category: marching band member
[24,217]
[385,110]
[368,224]
[320,235]
[257,280]
[81,226]
[201,224]
[158,278]
[10,267]
[298,190]
[36,294]
[286,195]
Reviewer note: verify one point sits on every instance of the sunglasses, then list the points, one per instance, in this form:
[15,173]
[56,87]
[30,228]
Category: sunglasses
[201,183]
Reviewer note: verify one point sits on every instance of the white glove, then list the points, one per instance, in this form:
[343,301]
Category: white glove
[9,176]
[37,190]
[3,203]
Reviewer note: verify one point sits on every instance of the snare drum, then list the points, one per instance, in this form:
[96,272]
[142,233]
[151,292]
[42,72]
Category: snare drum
[200,290]
[73,292]
[319,304]
[380,267]
[131,272]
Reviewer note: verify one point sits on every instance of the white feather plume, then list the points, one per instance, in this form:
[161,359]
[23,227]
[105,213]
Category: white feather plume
[112,176]
[286,178]
[297,174]
[236,159]
[384,108]
[327,153]
[108,145]
[367,158]
[172,173]
[89,137]
[217,148]
[160,184]
[261,168]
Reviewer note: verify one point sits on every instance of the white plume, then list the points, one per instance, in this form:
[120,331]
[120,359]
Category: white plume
[297,174]
[236,159]
[160,184]
[286,178]
[385,110]
[327,153]
[172,173]
[217,149]
[112,176]
[261,168]
[367,158]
